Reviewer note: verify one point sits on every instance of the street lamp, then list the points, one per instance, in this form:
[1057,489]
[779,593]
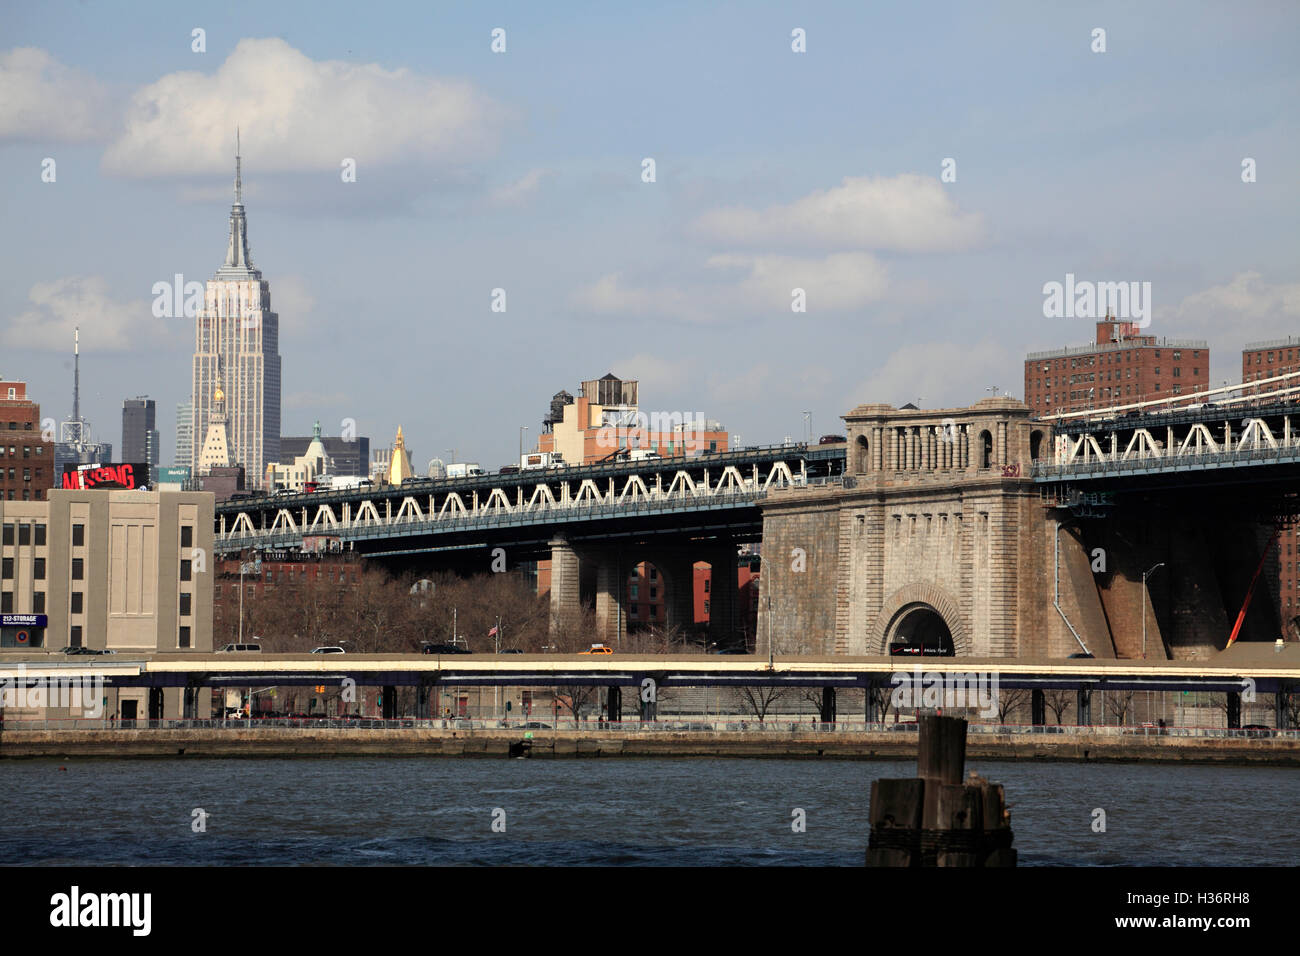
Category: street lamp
[768,591]
[1145,574]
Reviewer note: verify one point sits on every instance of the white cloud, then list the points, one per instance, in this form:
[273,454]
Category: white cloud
[292,301]
[107,325]
[299,114]
[743,285]
[512,194]
[1246,307]
[906,213]
[943,375]
[41,100]
[842,281]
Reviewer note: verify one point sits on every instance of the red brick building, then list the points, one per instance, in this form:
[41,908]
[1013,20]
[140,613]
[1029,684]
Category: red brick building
[1261,360]
[26,458]
[1121,367]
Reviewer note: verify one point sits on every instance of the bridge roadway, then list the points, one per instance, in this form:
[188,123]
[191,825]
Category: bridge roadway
[1228,671]
[714,493]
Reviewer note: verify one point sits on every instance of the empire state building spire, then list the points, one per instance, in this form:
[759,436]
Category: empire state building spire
[239,263]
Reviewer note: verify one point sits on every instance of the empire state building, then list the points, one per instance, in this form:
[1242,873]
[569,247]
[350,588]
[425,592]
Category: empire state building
[236,383]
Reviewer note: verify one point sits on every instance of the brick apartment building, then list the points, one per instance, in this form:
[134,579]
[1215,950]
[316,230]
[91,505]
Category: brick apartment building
[26,458]
[1121,367]
[1261,360]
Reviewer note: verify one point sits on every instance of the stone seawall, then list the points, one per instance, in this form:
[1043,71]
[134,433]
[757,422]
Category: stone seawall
[860,746]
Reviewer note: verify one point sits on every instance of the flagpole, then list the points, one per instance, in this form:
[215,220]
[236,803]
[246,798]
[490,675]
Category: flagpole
[496,689]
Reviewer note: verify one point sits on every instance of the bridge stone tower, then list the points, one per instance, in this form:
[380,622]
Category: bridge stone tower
[935,536]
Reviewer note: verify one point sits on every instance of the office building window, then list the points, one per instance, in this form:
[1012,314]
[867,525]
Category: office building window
[184,639]
[7,536]
[187,536]
[185,605]
[38,569]
[74,635]
[7,568]
[6,601]
[24,534]
[78,535]
[76,603]
[185,569]
[78,569]
[38,602]
[40,536]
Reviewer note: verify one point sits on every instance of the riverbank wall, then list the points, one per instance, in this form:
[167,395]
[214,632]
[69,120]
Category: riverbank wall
[317,742]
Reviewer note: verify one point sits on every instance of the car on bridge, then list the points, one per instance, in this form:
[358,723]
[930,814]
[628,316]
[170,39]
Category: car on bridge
[232,648]
[598,649]
[328,649]
[444,649]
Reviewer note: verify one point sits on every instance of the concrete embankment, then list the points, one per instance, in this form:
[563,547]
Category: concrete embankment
[280,742]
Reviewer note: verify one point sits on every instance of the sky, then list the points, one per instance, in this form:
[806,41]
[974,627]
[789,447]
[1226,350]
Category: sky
[920,171]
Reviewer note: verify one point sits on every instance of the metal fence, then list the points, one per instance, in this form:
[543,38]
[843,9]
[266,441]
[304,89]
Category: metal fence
[728,725]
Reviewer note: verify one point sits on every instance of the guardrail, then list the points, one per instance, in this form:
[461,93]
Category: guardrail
[731,724]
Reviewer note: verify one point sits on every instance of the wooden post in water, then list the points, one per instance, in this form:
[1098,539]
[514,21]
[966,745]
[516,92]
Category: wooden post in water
[936,818]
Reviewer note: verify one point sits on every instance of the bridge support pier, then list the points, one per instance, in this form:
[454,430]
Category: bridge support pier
[611,616]
[614,703]
[1037,707]
[722,595]
[828,705]
[1083,707]
[1234,710]
[566,595]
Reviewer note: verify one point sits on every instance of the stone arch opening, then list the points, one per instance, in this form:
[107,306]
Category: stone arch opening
[922,630]
[986,449]
[1035,444]
[863,455]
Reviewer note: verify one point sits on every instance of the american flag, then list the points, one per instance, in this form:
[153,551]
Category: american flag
[492,633]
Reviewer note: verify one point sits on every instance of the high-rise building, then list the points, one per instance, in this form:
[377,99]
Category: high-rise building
[185,434]
[237,355]
[139,436]
[76,445]
[1122,367]
[26,453]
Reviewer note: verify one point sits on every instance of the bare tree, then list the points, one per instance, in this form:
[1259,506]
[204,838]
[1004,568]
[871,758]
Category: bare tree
[760,698]
[1119,703]
[1058,702]
[1009,702]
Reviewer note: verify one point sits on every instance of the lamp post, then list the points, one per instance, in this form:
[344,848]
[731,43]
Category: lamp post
[1145,574]
[767,591]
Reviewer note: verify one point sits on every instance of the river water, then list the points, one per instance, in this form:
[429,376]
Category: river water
[349,811]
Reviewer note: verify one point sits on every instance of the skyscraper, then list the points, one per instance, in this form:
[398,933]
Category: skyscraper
[237,355]
[139,436]
[184,456]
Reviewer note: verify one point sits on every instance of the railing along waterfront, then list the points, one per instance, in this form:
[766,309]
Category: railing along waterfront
[737,724]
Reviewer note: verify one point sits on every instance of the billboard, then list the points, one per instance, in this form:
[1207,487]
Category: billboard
[171,475]
[112,475]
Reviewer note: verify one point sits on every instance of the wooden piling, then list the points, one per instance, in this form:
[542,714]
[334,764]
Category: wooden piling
[936,818]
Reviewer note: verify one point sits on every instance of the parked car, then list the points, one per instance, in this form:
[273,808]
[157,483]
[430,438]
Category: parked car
[536,725]
[443,649]
[232,648]
[328,649]
[511,650]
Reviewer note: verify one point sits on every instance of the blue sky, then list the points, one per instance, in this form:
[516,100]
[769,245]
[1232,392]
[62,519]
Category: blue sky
[522,170]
